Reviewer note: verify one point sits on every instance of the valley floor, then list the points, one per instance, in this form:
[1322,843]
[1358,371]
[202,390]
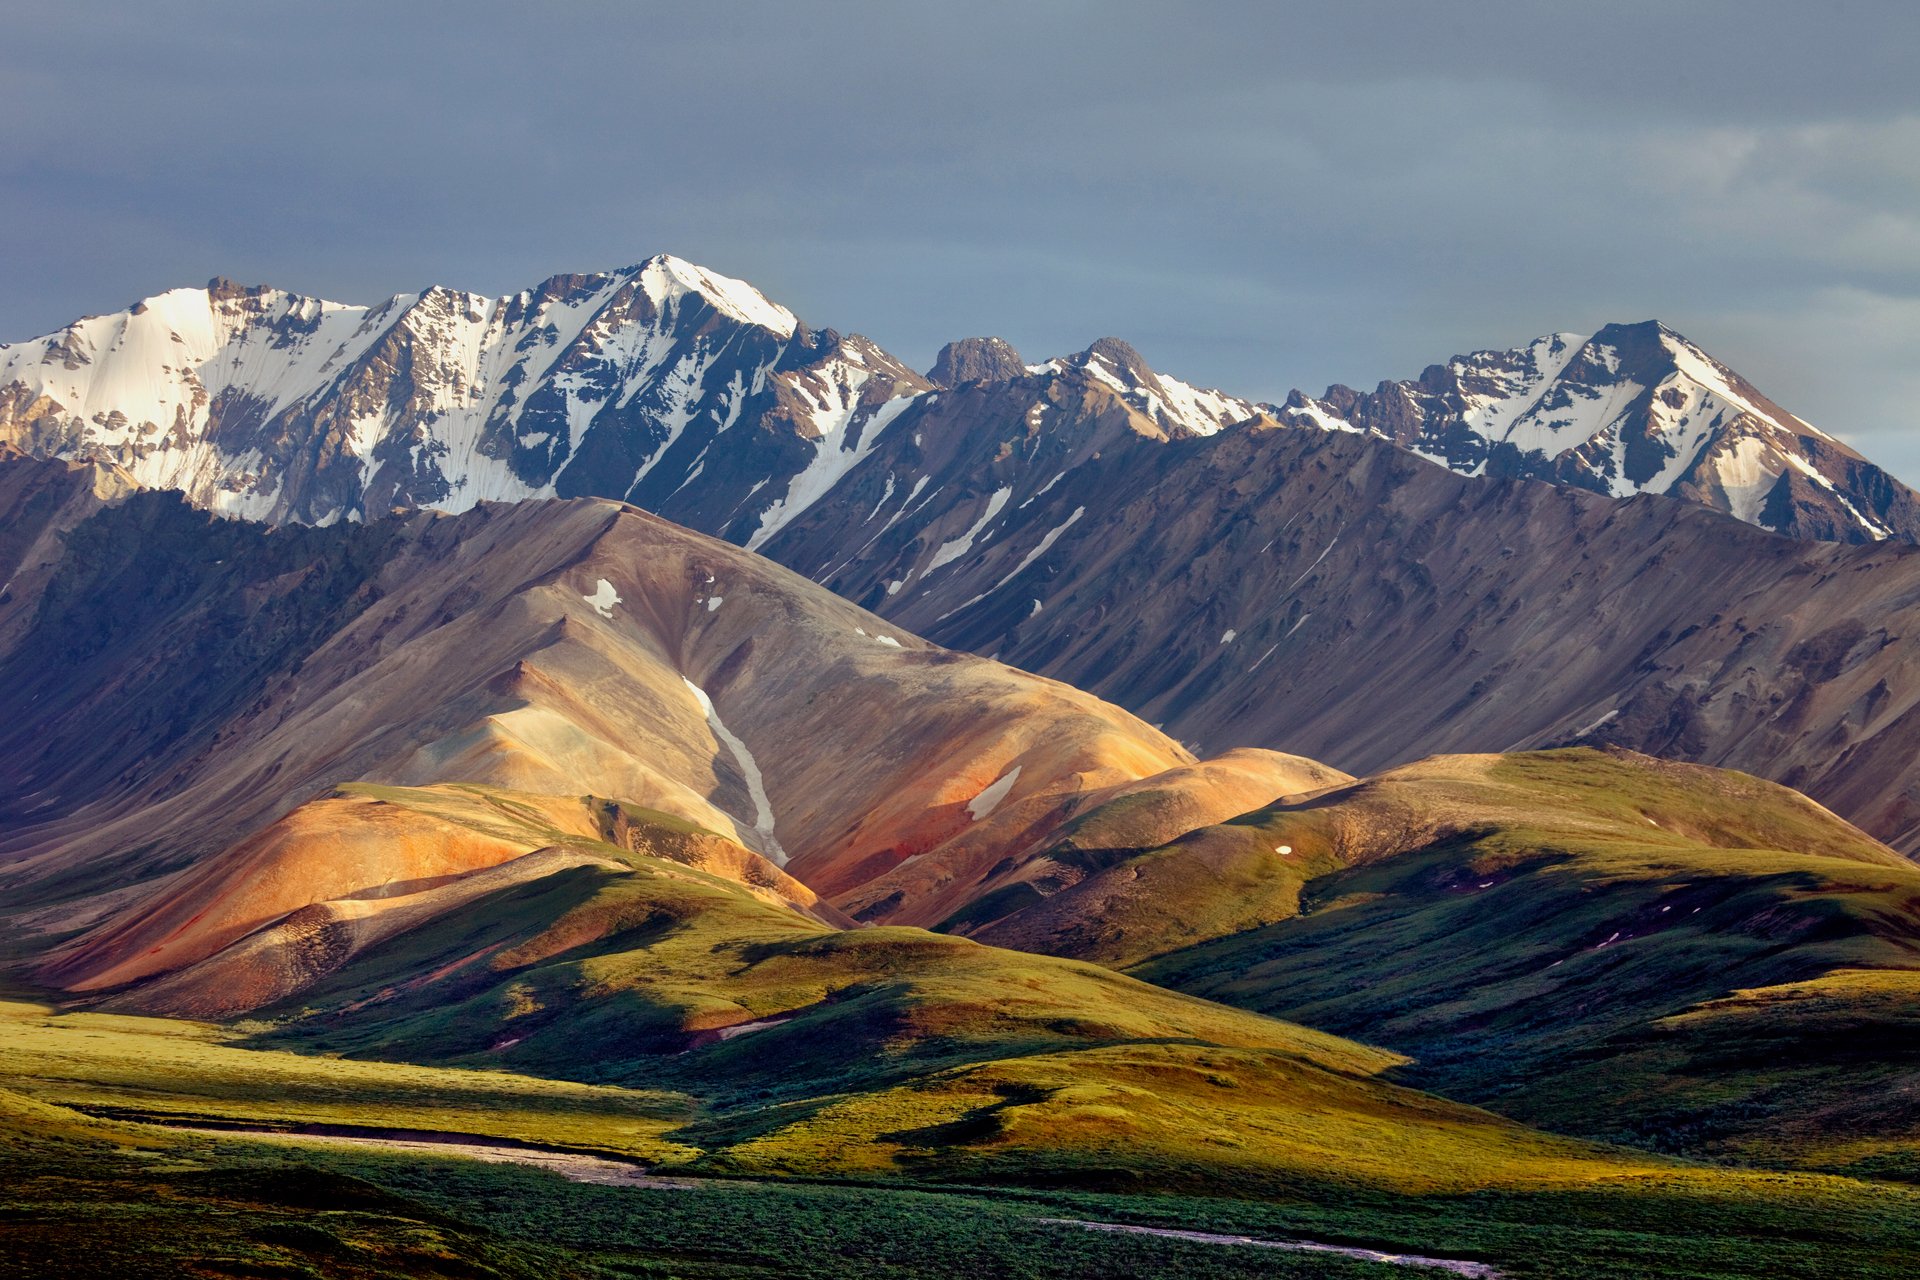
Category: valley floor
[92,1196]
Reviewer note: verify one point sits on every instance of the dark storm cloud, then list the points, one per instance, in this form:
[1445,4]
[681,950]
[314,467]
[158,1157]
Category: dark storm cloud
[1257,196]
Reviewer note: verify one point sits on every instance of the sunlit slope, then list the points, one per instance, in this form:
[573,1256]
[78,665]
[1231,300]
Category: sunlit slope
[185,684]
[266,919]
[1064,836]
[815,1050]
[173,1069]
[1594,942]
[111,1199]
[103,1200]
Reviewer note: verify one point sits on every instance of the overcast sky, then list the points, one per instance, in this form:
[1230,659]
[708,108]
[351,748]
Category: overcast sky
[1258,196]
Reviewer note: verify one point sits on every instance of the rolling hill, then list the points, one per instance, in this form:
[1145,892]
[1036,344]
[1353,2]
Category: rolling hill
[1600,943]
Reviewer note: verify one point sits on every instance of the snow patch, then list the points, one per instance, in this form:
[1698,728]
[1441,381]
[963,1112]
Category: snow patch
[989,800]
[1041,491]
[1039,550]
[835,413]
[746,1028]
[756,785]
[1584,730]
[957,547]
[603,599]
[1315,565]
[669,279]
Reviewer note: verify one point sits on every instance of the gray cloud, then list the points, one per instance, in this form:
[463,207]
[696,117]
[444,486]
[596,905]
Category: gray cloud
[1257,196]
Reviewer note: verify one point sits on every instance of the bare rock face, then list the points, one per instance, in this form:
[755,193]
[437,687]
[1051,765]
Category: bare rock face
[42,503]
[976,360]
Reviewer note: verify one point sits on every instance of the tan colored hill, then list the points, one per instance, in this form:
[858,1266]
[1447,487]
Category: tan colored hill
[1069,840]
[335,877]
[187,684]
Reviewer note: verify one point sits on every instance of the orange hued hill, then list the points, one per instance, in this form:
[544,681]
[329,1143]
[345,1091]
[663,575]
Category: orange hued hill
[556,650]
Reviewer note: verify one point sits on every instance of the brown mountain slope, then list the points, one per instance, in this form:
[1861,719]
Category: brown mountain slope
[1330,595]
[42,503]
[187,682]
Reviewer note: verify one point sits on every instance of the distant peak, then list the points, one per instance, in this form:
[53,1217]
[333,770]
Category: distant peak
[1635,328]
[666,277]
[976,360]
[1643,351]
[220,287]
[1121,356]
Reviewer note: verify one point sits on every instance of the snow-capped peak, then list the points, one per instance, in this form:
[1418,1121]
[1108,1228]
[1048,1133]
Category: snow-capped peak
[1631,408]
[1177,406]
[667,279]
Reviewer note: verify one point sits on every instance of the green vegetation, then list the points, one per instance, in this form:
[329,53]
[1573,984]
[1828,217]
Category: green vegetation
[98,1199]
[1210,883]
[82,1198]
[167,1068]
[1678,959]
[1599,944]
[813,1051]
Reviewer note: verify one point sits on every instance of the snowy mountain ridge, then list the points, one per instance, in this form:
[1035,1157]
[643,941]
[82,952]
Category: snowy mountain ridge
[1629,409]
[692,394]
[267,405]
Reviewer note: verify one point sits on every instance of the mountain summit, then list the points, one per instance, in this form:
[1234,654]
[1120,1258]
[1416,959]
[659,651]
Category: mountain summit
[1635,408]
[268,405]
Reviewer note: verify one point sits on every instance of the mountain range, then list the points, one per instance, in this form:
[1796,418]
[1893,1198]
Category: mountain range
[619,721]
[397,731]
[693,395]
[1237,573]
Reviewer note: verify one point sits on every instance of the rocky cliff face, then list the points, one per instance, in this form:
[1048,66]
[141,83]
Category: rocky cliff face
[1330,595]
